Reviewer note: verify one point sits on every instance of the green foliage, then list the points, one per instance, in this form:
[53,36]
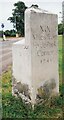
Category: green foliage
[18,17]
[8,33]
[12,33]
[1,33]
[60,57]
[34,5]
[60,29]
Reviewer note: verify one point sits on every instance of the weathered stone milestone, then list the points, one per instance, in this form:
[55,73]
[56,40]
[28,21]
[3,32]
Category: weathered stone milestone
[35,58]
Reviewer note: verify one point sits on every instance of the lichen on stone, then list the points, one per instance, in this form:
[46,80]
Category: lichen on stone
[44,91]
[22,88]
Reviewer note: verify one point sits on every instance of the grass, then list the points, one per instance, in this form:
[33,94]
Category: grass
[60,57]
[14,107]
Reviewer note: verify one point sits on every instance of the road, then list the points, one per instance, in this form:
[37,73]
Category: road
[6,54]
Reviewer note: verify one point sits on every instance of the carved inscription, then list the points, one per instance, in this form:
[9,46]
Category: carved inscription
[44,53]
[45,44]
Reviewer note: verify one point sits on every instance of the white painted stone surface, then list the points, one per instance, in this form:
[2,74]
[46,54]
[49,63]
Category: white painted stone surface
[35,58]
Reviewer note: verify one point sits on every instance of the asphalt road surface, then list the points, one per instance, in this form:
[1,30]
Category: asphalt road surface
[6,54]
